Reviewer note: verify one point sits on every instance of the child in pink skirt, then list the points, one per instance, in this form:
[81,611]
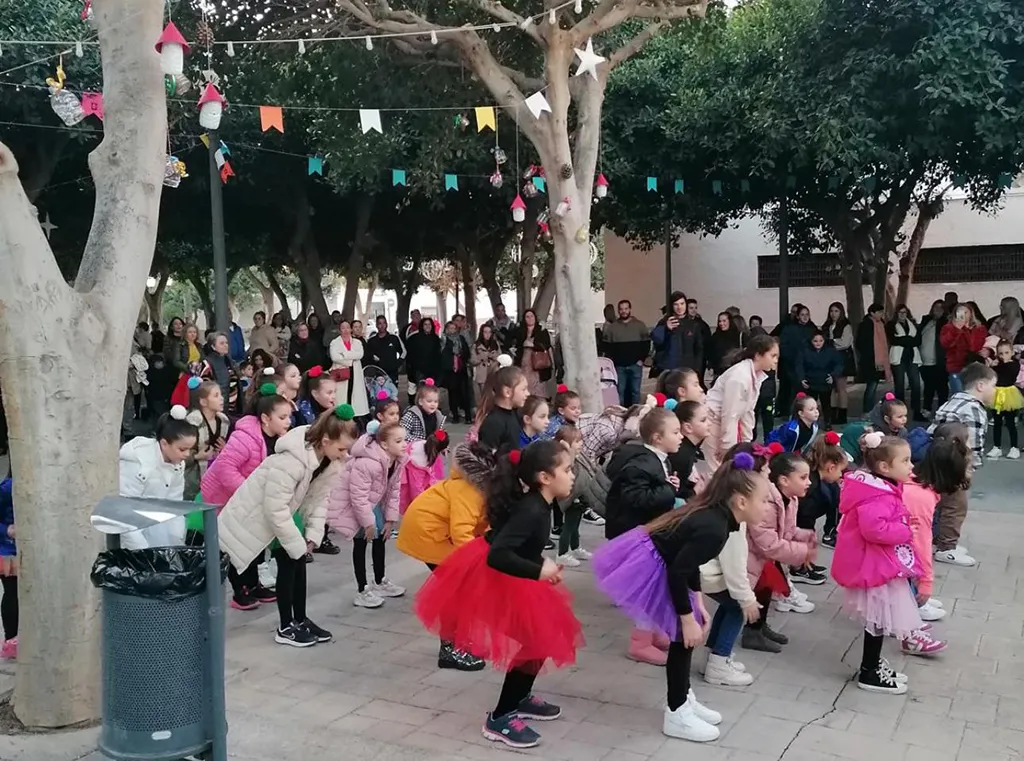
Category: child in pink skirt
[874,558]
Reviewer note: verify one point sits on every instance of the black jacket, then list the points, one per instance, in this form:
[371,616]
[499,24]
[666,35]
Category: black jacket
[864,344]
[386,352]
[500,430]
[424,358]
[721,343]
[517,545]
[306,354]
[640,491]
[822,499]
[454,345]
[682,347]
[682,463]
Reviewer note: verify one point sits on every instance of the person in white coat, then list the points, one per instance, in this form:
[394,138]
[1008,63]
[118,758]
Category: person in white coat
[347,369]
[283,505]
[155,469]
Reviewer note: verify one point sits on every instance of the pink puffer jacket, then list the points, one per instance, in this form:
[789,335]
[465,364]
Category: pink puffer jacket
[776,536]
[364,484]
[244,451]
[873,545]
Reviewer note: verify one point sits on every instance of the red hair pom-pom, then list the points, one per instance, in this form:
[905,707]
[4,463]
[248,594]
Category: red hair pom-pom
[890,397]
[513,457]
[440,435]
[801,395]
[660,399]
[832,438]
[315,372]
[562,388]
[428,382]
[775,448]
[382,395]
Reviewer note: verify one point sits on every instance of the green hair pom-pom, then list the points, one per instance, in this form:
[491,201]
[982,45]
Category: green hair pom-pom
[345,411]
[268,389]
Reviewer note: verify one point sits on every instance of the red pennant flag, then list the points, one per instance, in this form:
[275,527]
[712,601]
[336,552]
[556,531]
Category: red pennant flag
[225,172]
[272,116]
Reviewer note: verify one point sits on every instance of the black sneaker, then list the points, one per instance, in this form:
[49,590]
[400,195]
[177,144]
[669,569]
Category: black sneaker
[451,658]
[263,595]
[536,709]
[589,516]
[556,532]
[309,557]
[881,679]
[327,547]
[775,636]
[806,576]
[754,639]
[549,545]
[321,635]
[829,539]
[818,568]
[296,635]
[244,601]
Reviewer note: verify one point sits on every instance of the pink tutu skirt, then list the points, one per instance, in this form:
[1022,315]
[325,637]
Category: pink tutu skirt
[889,610]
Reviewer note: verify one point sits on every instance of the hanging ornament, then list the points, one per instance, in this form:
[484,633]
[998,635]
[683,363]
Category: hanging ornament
[563,207]
[529,171]
[496,179]
[518,209]
[601,186]
[582,236]
[204,34]
[86,14]
[578,8]
[588,60]
[172,49]
[500,157]
[48,226]
[176,84]
[302,47]
[67,106]
[433,37]
[174,172]
[211,107]
[460,121]
[369,43]
[566,171]
[529,189]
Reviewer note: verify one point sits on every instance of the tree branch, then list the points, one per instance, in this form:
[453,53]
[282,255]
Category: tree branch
[633,47]
[500,12]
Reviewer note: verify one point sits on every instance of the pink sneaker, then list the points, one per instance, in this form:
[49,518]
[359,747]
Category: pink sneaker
[922,643]
[9,650]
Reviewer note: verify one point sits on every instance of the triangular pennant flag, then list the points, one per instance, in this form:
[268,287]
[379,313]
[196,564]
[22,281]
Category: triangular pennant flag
[398,178]
[959,180]
[92,104]
[485,118]
[652,184]
[271,117]
[218,156]
[744,186]
[225,172]
[224,148]
[538,182]
[451,182]
[206,139]
[679,187]
[538,104]
[716,187]
[369,118]
[315,165]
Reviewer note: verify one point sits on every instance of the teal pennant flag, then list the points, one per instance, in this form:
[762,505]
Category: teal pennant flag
[680,187]
[398,177]
[538,182]
[315,166]
[652,184]
[451,182]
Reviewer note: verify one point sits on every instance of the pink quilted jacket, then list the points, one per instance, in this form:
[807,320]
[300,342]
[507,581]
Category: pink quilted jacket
[921,502]
[873,545]
[364,484]
[244,450]
[776,536]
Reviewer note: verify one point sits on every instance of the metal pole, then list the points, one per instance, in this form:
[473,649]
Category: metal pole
[783,259]
[215,614]
[220,260]
[668,264]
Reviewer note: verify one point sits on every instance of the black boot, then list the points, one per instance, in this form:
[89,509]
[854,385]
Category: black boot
[450,658]
[755,639]
[774,636]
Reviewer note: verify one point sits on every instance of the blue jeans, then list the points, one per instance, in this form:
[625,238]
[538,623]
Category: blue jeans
[955,386]
[726,624]
[629,383]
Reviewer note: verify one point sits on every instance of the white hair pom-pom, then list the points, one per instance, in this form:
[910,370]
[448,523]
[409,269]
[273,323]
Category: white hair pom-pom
[650,401]
[268,371]
[504,360]
[873,439]
[372,427]
[178,412]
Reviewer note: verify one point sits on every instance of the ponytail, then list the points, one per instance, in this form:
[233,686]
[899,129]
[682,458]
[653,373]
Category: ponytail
[505,378]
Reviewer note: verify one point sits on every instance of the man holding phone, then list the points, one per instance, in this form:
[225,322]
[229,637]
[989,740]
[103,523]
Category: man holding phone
[678,341]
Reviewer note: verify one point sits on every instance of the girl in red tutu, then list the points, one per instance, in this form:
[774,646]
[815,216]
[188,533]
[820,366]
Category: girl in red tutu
[652,573]
[500,599]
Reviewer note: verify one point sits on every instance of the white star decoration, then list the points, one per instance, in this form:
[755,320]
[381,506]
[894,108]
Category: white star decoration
[48,226]
[588,60]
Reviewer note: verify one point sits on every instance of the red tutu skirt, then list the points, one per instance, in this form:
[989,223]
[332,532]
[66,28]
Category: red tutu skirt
[774,579]
[505,620]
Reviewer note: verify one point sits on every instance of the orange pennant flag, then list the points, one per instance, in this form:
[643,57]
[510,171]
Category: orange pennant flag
[272,116]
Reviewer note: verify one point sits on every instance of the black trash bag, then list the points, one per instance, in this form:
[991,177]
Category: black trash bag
[157,573]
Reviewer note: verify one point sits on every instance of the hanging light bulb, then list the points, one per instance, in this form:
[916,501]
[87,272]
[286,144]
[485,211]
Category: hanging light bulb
[578,8]
[526,23]
[302,47]
[231,49]
[433,37]
[496,27]
[552,18]
[369,43]
[78,49]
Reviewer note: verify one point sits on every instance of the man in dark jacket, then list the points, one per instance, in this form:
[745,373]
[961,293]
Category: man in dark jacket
[627,342]
[385,350]
[678,338]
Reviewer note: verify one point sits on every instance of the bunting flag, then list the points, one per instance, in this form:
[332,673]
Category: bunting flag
[652,184]
[224,148]
[369,118]
[206,139]
[538,104]
[680,187]
[716,187]
[790,182]
[92,104]
[271,117]
[869,184]
[218,156]
[485,118]
[225,172]
[398,178]
[1006,180]
[538,182]
[451,182]
[315,165]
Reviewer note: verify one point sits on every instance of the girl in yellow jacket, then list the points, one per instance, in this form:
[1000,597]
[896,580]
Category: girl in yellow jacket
[444,517]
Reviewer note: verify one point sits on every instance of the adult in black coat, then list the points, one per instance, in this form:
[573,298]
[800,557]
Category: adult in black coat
[678,339]
[455,361]
[640,490]
[424,358]
[385,349]
[304,351]
[724,341]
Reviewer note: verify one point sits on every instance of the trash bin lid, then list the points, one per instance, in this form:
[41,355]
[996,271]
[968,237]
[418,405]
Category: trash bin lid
[119,515]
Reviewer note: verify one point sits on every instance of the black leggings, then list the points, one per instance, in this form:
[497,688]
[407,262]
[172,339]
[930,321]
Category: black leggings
[764,599]
[1009,419]
[290,588]
[248,579]
[872,653]
[9,606]
[359,560]
[516,688]
[677,673]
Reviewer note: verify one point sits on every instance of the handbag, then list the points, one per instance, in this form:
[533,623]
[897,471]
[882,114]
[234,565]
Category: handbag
[339,374]
[540,360]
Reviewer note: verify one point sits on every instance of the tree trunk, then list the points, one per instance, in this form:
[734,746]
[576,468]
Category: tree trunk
[879,281]
[441,299]
[489,276]
[304,299]
[281,295]
[926,212]
[853,280]
[371,291]
[63,359]
[206,300]
[303,252]
[469,290]
[354,268]
[545,294]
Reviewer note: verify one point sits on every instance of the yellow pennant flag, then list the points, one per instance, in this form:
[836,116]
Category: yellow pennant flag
[206,139]
[485,118]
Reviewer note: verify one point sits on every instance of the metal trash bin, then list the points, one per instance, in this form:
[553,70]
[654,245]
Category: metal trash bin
[162,671]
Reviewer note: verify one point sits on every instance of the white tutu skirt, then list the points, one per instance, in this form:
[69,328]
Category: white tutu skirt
[889,610]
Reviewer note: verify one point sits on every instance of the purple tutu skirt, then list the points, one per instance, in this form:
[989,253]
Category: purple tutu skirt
[632,573]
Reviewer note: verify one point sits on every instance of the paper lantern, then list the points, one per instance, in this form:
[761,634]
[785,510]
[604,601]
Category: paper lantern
[601,187]
[518,209]
[211,107]
[172,49]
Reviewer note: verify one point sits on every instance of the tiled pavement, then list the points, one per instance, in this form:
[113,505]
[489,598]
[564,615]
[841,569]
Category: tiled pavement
[375,692]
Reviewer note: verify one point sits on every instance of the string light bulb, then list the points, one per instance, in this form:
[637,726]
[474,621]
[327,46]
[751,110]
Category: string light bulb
[369,43]
[78,49]
[578,8]
[302,47]
[496,27]
[231,49]
[552,18]
[433,37]
[526,23]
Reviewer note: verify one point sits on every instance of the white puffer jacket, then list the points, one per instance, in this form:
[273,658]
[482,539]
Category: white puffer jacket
[144,473]
[263,507]
[728,572]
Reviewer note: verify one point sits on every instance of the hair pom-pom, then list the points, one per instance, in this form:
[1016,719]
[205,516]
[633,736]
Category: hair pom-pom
[671,404]
[801,395]
[561,388]
[268,389]
[650,402]
[441,435]
[345,411]
[194,382]
[890,396]
[382,395]
[743,461]
[178,412]
[372,427]
[504,360]
[775,448]
[269,371]
[831,438]
[872,440]
[660,399]
[513,457]
[315,372]
[429,382]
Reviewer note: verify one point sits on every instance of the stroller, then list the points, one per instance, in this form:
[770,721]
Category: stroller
[609,381]
[377,380]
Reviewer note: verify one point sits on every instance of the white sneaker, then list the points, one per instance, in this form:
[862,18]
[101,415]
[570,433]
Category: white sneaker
[367,599]
[1013,454]
[955,557]
[582,554]
[684,724]
[794,604]
[704,713]
[962,550]
[720,671]
[387,589]
[935,602]
[568,560]
[995,453]
[796,594]
[928,613]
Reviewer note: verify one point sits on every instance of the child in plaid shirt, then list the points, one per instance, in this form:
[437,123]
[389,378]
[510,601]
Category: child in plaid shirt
[968,407]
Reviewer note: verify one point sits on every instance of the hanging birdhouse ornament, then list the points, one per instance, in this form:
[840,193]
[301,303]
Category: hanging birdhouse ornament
[519,209]
[500,157]
[601,186]
[211,107]
[172,48]
[563,207]
[529,189]
[67,106]
[174,172]
[497,180]
[176,84]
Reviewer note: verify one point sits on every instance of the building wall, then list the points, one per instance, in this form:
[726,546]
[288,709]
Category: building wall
[722,272]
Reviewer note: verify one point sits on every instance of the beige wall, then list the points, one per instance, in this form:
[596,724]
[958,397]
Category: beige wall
[722,271]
